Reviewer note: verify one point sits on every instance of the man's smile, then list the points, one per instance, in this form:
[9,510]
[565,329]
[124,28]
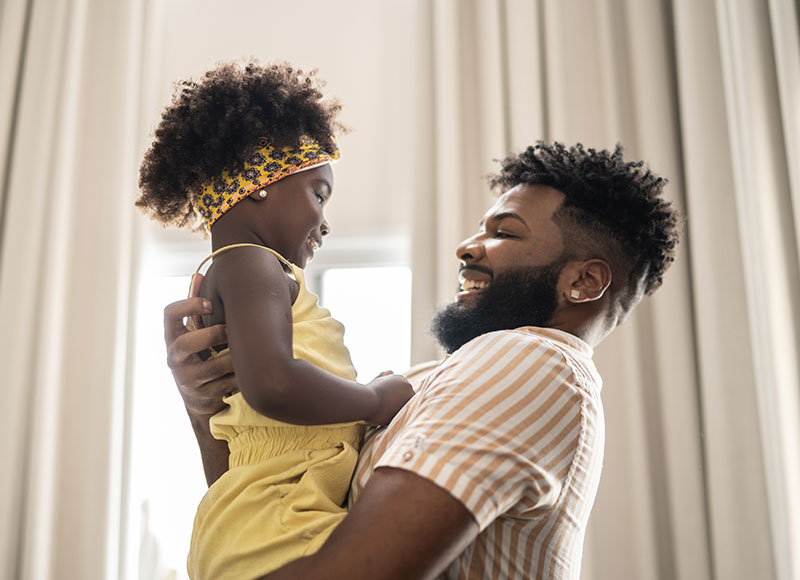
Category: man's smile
[473,279]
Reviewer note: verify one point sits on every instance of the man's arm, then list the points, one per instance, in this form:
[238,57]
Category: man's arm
[202,384]
[403,526]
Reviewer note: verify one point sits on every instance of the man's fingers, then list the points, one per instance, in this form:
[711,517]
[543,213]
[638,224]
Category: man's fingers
[221,387]
[177,311]
[194,322]
[215,369]
[207,399]
[197,281]
[190,343]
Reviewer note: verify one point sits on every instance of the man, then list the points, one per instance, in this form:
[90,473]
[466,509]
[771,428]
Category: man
[491,469]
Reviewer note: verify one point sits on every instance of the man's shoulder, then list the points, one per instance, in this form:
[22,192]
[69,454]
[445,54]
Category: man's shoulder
[524,337]
[522,354]
[498,352]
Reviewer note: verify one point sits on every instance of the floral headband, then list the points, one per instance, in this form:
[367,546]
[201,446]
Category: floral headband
[266,165]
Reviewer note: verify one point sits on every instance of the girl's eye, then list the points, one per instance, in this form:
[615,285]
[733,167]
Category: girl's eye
[503,235]
[320,198]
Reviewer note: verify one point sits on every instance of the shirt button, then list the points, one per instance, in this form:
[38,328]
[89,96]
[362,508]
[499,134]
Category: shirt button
[408,456]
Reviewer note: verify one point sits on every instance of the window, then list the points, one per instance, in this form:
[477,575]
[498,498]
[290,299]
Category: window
[167,480]
[375,307]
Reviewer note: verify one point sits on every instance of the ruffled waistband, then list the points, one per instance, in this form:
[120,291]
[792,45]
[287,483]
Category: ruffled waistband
[258,444]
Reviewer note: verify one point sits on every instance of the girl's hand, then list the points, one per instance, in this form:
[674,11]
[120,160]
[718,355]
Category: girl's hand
[392,391]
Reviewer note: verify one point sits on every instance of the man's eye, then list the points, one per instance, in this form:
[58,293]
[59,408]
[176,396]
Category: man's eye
[503,235]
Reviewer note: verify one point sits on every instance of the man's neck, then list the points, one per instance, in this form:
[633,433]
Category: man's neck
[591,330]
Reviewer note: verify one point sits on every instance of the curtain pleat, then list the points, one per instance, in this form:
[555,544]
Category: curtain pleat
[465,100]
[762,190]
[64,289]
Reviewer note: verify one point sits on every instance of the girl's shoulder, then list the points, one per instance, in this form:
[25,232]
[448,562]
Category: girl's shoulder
[245,265]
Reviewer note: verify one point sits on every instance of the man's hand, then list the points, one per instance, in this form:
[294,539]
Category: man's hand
[201,383]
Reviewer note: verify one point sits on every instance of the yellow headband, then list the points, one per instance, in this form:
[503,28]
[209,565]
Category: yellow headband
[266,165]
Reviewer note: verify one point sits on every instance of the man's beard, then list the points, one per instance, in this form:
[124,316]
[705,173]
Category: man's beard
[523,297]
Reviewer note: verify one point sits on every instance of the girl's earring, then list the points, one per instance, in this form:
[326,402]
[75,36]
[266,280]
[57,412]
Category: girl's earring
[262,193]
[575,294]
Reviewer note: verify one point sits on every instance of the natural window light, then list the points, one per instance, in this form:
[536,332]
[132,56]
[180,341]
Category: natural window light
[374,306]
[167,480]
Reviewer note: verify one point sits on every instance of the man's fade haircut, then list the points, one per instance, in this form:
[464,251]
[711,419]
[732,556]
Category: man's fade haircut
[613,209]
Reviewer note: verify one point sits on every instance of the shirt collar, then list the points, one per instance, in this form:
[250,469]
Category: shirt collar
[560,336]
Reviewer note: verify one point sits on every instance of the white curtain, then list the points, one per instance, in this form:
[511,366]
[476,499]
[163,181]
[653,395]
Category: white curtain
[68,125]
[701,397]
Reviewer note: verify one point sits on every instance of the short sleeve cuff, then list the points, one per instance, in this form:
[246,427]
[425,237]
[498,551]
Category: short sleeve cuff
[410,455]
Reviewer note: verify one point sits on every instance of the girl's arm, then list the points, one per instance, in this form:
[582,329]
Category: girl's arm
[254,290]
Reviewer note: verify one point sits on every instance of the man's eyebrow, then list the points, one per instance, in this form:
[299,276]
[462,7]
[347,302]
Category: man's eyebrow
[508,215]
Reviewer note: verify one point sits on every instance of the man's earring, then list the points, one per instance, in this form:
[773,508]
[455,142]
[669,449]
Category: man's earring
[575,294]
[262,193]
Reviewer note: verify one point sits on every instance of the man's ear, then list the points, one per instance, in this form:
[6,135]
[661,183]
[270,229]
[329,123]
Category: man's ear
[585,281]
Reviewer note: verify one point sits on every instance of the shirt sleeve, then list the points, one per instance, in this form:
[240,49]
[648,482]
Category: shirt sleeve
[497,425]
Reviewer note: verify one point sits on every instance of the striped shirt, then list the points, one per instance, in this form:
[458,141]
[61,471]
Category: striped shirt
[511,424]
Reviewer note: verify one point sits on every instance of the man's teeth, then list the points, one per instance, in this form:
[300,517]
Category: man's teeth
[468,285]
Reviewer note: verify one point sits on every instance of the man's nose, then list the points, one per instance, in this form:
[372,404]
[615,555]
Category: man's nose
[470,249]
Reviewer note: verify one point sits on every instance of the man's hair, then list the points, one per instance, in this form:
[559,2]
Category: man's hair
[613,209]
[215,123]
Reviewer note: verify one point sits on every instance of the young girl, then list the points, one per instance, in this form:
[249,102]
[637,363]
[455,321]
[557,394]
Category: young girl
[249,152]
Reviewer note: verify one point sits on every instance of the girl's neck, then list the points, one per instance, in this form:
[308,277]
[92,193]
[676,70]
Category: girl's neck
[222,236]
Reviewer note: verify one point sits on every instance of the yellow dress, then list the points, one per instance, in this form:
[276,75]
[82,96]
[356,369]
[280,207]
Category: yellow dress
[286,484]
